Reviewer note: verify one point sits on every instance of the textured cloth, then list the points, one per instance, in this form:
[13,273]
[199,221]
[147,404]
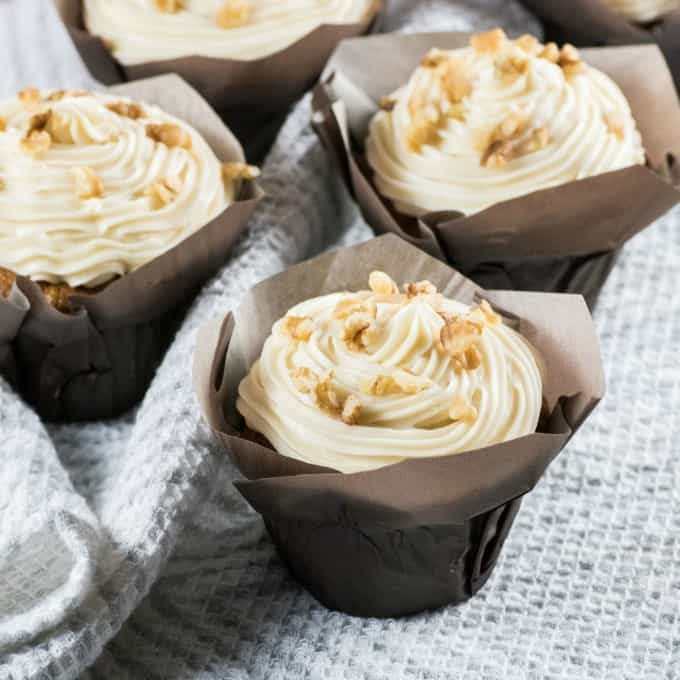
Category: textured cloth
[124,548]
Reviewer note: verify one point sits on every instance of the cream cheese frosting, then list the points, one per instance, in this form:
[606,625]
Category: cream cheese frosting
[496,120]
[357,381]
[93,186]
[150,30]
[643,11]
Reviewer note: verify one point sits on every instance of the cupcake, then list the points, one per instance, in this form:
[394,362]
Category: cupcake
[251,59]
[643,11]
[526,165]
[388,433]
[498,119]
[354,381]
[95,187]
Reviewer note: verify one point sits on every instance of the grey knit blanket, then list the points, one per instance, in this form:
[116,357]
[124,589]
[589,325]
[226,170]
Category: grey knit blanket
[126,553]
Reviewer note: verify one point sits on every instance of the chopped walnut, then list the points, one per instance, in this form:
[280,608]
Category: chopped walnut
[30,98]
[491,41]
[58,95]
[37,138]
[169,6]
[348,306]
[490,317]
[424,128]
[570,61]
[326,397]
[378,385]
[462,410]
[454,80]
[359,331]
[512,139]
[381,284]
[236,170]
[59,128]
[127,110]
[420,288]
[7,279]
[551,52]
[298,328]
[88,183]
[3,125]
[305,380]
[234,13]
[615,124]
[164,191]
[529,44]
[409,383]
[458,337]
[169,134]
[351,410]
[387,103]
[510,68]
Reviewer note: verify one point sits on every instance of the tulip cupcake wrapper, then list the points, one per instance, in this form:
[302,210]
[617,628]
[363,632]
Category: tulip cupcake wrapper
[563,239]
[247,94]
[98,361]
[593,22]
[425,532]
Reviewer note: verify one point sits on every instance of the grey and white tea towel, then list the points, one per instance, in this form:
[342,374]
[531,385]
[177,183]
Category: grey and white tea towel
[126,553]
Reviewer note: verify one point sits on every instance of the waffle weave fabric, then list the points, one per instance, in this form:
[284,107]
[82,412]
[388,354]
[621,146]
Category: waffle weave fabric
[126,553]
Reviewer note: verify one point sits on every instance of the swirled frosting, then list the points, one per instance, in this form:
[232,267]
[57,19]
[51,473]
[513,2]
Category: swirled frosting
[356,381]
[93,186]
[152,30]
[643,11]
[497,120]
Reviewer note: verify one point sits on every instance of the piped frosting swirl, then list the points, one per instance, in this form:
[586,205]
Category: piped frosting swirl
[356,381]
[497,120]
[93,186]
[152,30]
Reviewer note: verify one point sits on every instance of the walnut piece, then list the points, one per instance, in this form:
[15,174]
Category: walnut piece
[7,279]
[615,124]
[348,306]
[169,134]
[164,191]
[234,13]
[325,396]
[399,381]
[529,44]
[168,6]
[30,98]
[237,170]
[305,380]
[570,61]
[511,68]
[127,110]
[424,127]
[381,284]
[462,410]
[512,139]
[551,52]
[359,331]
[88,183]
[298,328]
[458,337]
[58,95]
[3,125]
[490,41]
[351,410]
[420,288]
[37,138]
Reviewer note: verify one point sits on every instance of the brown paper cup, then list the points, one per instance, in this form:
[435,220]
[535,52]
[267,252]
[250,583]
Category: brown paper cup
[593,22]
[563,239]
[98,361]
[247,94]
[422,533]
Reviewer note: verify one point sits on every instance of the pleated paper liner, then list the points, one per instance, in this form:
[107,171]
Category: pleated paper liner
[98,361]
[563,239]
[251,96]
[422,533]
[593,22]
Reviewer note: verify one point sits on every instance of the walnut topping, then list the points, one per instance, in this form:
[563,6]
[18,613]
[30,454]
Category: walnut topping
[570,61]
[351,410]
[3,125]
[398,382]
[420,288]
[512,139]
[88,183]
[551,52]
[348,306]
[490,317]
[462,409]
[127,110]
[378,385]
[458,337]
[424,128]
[615,124]
[359,331]
[30,98]
[58,95]
[387,103]
[298,328]
[169,134]
[381,284]
[164,191]
[327,398]
[37,138]
[7,279]
[236,170]
[529,44]
[234,13]
[454,80]
[305,380]
[168,6]
[491,41]
[510,68]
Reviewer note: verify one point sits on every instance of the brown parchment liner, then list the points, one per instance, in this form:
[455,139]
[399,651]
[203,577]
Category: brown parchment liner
[422,533]
[592,22]
[563,239]
[98,361]
[247,94]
